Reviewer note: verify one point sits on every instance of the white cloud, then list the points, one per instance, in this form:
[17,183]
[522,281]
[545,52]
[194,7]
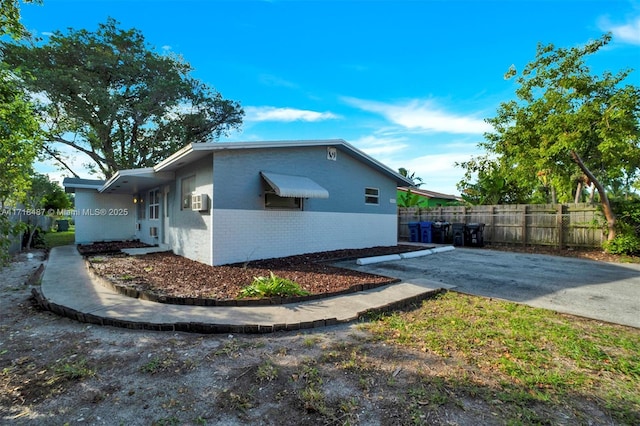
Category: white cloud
[628,32]
[272,80]
[422,115]
[437,171]
[379,146]
[268,113]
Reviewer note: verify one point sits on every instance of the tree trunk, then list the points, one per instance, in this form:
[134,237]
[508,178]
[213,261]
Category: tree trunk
[32,231]
[578,192]
[604,199]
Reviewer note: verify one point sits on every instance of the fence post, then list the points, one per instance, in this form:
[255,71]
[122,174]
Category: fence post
[523,223]
[560,226]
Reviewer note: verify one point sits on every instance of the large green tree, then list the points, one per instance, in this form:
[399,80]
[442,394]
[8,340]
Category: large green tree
[109,96]
[568,122]
[493,184]
[10,18]
[19,142]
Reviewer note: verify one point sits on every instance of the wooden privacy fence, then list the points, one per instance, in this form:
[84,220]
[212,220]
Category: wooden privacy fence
[560,225]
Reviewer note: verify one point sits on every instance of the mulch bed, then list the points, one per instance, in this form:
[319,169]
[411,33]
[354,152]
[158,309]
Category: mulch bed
[107,247]
[165,277]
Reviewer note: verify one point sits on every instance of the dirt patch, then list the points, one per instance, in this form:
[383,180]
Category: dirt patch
[168,275]
[55,371]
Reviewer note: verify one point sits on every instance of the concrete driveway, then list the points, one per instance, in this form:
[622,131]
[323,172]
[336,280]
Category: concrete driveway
[604,291]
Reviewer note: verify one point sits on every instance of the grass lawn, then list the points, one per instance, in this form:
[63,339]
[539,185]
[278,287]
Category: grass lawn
[55,239]
[527,361]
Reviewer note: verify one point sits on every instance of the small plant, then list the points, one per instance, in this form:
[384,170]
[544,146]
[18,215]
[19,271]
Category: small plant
[73,370]
[272,286]
[235,401]
[158,364]
[127,277]
[266,372]
[310,341]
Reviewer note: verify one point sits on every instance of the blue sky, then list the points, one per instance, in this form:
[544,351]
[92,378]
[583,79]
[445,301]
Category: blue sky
[408,82]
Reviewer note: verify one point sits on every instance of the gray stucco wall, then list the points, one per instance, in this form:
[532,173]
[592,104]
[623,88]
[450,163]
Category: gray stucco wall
[238,184]
[189,233]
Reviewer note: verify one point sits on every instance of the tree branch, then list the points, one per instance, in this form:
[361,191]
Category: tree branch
[59,160]
[93,155]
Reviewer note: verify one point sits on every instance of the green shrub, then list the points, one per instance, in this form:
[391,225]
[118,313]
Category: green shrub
[627,240]
[272,286]
[623,243]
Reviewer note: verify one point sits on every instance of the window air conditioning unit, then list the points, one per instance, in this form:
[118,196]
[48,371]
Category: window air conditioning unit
[199,202]
[153,231]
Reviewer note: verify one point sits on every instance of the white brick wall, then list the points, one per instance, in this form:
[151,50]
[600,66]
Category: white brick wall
[242,235]
[192,238]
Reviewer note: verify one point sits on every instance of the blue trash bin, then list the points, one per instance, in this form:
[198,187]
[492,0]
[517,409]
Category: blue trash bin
[425,232]
[414,232]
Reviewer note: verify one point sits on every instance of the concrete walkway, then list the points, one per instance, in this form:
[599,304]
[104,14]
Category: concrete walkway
[68,289]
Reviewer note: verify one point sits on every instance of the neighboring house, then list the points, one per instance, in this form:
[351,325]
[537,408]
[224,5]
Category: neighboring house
[425,198]
[221,203]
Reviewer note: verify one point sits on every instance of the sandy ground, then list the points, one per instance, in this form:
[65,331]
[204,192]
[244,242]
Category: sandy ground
[55,371]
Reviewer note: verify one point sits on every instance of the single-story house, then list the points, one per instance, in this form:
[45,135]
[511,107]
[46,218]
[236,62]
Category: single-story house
[221,203]
[428,198]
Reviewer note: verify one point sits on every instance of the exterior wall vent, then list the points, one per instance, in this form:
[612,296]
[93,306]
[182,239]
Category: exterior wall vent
[153,231]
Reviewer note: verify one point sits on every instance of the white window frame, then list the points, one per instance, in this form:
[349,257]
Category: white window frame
[154,204]
[372,196]
[186,193]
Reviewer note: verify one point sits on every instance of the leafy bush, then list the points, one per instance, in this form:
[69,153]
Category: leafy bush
[627,239]
[627,243]
[272,286]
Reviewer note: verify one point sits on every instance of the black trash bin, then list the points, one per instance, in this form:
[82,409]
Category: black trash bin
[474,235]
[425,232]
[414,232]
[458,233]
[440,231]
[63,225]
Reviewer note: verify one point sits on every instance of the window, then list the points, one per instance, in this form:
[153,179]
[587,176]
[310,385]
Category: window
[372,196]
[188,186]
[154,204]
[141,207]
[274,201]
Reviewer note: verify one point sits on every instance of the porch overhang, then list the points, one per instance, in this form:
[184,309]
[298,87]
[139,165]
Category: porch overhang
[133,181]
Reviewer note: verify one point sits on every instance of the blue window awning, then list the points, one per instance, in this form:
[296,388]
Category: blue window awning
[294,186]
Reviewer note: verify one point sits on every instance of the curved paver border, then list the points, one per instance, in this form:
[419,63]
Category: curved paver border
[214,328]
